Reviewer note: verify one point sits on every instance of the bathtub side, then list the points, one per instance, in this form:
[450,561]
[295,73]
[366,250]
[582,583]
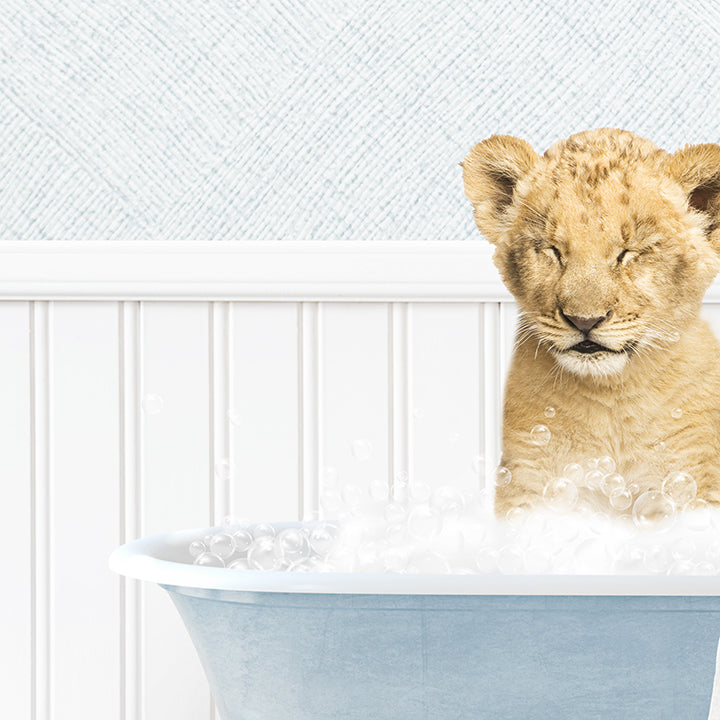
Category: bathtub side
[322,657]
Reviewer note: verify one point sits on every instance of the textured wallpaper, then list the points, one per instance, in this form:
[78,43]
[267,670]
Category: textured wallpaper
[314,119]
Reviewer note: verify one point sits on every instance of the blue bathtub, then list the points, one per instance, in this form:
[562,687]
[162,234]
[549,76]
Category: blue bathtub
[307,646]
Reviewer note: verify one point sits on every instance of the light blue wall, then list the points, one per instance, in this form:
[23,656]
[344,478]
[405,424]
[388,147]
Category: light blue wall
[316,119]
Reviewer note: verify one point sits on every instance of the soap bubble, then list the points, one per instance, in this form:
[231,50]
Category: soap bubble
[310,564]
[342,559]
[698,516]
[152,404]
[234,416]
[262,530]
[681,567]
[197,547]
[396,559]
[549,412]
[223,545]
[462,571]
[540,435]
[322,537]
[379,490]
[503,477]
[432,564]
[680,487]
[486,560]
[705,568]
[598,523]
[361,449]
[538,560]
[395,512]
[352,495]
[652,509]
[510,559]
[329,478]
[676,413]
[208,559]
[224,469]
[516,516]
[657,559]
[620,499]
[448,501]
[424,523]
[560,494]
[261,554]
[612,482]
[240,564]
[591,557]
[419,492]
[243,539]
[574,472]
[606,464]
[593,479]
[395,533]
[331,502]
[683,549]
[292,545]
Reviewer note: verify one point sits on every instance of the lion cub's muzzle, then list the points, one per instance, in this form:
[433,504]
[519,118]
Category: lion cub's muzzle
[585,325]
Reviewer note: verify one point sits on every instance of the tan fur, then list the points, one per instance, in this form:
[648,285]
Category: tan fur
[605,225]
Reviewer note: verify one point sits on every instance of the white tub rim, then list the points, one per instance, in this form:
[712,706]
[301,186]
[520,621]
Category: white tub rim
[150,558]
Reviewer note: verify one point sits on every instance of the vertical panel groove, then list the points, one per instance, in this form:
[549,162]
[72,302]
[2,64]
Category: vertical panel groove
[41,499]
[130,506]
[309,407]
[491,383]
[399,376]
[221,468]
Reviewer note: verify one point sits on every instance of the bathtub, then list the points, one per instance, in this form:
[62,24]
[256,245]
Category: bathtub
[322,646]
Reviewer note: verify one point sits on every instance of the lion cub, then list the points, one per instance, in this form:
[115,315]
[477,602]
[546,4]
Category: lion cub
[608,244]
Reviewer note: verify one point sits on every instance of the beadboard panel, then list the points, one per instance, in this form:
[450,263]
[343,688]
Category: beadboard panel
[84,509]
[446,394]
[354,391]
[125,418]
[17,625]
[177,472]
[262,419]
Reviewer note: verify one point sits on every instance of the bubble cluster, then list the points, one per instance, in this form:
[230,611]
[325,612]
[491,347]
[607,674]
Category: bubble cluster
[303,547]
[665,530]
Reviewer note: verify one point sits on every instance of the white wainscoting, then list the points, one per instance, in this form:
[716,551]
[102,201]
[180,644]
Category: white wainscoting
[149,387]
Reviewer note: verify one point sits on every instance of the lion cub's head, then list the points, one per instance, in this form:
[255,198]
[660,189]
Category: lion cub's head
[607,242]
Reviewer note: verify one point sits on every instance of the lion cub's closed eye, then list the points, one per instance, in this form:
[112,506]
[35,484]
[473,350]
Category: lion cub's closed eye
[608,243]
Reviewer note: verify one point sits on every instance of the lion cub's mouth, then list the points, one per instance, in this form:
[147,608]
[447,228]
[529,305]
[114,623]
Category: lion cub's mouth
[586,347]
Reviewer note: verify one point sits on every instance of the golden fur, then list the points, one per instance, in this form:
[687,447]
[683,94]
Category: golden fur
[605,228]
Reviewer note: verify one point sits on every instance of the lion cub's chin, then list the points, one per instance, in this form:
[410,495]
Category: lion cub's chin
[595,365]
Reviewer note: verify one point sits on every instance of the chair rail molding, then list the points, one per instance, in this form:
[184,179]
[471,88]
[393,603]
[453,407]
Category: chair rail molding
[250,270]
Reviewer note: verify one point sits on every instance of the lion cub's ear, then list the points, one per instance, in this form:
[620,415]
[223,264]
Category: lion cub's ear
[491,171]
[697,169]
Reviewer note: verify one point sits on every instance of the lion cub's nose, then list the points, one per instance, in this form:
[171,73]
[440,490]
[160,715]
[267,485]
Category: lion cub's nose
[585,324]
